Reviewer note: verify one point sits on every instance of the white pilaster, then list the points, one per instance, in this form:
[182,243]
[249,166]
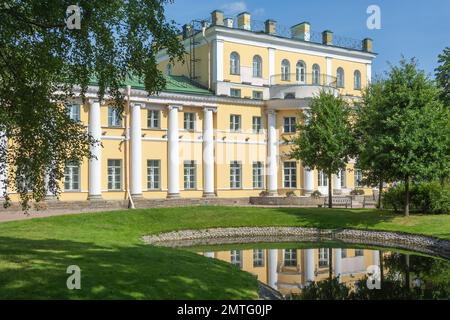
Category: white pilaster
[329,62]
[208,153]
[337,259]
[337,189]
[309,266]
[369,73]
[376,257]
[95,163]
[308,183]
[272,160]
[273,268]
[173,156]
[136,151]
[217,61]
[271,64]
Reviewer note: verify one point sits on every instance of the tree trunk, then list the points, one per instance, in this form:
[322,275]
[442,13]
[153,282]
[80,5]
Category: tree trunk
[330,263]
[407,196]
[330,190]
[380,191]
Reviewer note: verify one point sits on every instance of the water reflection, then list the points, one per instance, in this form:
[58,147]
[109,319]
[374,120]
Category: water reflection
[342,273]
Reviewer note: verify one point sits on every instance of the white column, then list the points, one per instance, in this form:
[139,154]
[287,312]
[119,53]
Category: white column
[217,61]
[376,257]
[369,73]
[95,163]
[136,151]
[337,189]
[329,62]
[173,153]
[309,265]
[271,65]
[272,141]
[208,153]
[273,268]
[308,183]
[337,259]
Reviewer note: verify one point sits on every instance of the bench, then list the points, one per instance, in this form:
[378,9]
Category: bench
[339,202]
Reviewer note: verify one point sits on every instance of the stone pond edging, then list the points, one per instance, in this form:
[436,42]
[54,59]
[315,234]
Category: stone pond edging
[216,236]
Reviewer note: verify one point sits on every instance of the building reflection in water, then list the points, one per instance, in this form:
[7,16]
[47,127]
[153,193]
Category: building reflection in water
[289,270]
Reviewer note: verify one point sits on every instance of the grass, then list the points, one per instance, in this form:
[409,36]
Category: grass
[115,264]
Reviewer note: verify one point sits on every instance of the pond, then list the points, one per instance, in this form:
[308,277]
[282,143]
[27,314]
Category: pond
[330,271]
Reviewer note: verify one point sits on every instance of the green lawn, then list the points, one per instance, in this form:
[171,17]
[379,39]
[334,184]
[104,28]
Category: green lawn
[34,254]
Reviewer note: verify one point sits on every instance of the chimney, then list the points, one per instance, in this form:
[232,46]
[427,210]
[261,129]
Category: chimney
[187,31]
[228,22]
[217,18]
[367,45]
[301,31]
[271,26]
[327,37]
[244,21]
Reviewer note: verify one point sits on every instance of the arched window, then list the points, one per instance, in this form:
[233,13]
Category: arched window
[340,78]
[300,74]
[257,67]
[285,70]
[235,63]
[357,79]
[316,74]
[169,69]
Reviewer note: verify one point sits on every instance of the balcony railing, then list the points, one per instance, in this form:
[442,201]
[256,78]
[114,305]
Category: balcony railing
[306,79]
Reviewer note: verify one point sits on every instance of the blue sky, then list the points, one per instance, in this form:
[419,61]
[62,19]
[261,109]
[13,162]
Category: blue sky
[418,29]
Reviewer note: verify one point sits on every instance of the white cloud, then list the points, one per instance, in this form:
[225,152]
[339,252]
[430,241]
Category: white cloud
[234,7]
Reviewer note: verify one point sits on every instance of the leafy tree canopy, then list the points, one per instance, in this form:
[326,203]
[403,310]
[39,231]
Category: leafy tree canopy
[443,75]
[42,61]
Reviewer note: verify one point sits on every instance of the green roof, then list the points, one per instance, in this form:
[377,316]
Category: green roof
[174,84]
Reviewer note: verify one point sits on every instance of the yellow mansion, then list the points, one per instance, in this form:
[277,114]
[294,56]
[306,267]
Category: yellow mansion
[218,128]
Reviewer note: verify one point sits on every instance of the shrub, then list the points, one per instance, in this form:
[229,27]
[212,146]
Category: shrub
[316,194]
[357,192]
[425,197]
[290,194]
[264,193]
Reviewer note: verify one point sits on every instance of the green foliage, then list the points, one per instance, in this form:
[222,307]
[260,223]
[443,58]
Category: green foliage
[42,61]
[324,290]
[316,194]
[426,197]
[443,75]
[290,194]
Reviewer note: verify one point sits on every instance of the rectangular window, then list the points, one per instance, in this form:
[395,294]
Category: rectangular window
[153,174]
[358,178]
[114,117]
[322,179]
[257,95]
[114,174]
[236,93]
[236,258]
[235,122]
[257,124]
[189,175]
[235,175]
[343,176]
[359,252]
[289,125]
[290,257]
[258,258]
[189,121]
[343,253]
[72,176]
[153,119]
[323,257]
[290,174]
[258,175]
[73,111]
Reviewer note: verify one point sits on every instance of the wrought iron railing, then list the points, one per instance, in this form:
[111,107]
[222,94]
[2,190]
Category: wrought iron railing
[312,79]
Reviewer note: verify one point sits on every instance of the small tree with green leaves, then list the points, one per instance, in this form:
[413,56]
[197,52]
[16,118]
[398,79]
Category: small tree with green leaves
[324,138]
[443,75]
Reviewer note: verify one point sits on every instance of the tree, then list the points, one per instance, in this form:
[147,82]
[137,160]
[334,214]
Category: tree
[403,128]
[443,75]
[42,61]
[324,136]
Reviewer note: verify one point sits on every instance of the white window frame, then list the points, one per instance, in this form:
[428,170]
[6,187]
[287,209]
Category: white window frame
[300,74]
[236,258]
[340,78]
[290,258]
[285,70]
[153,119]
[153,174]
[259,93]
[189,120]
[115,173]
[291,124]
[289,174]
[190,175]
[343,176]
[235,61]
[114,118]
[257,66]
[358,178]
[258,175]
[257,124]
[74,112]
[323,258]
[72,176]
[315,74]
[258,258]
[235,175]
[357,80]
[235,122]
[322,179]
[235,93]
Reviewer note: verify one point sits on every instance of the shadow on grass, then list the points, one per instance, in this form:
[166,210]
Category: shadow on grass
[36,269]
